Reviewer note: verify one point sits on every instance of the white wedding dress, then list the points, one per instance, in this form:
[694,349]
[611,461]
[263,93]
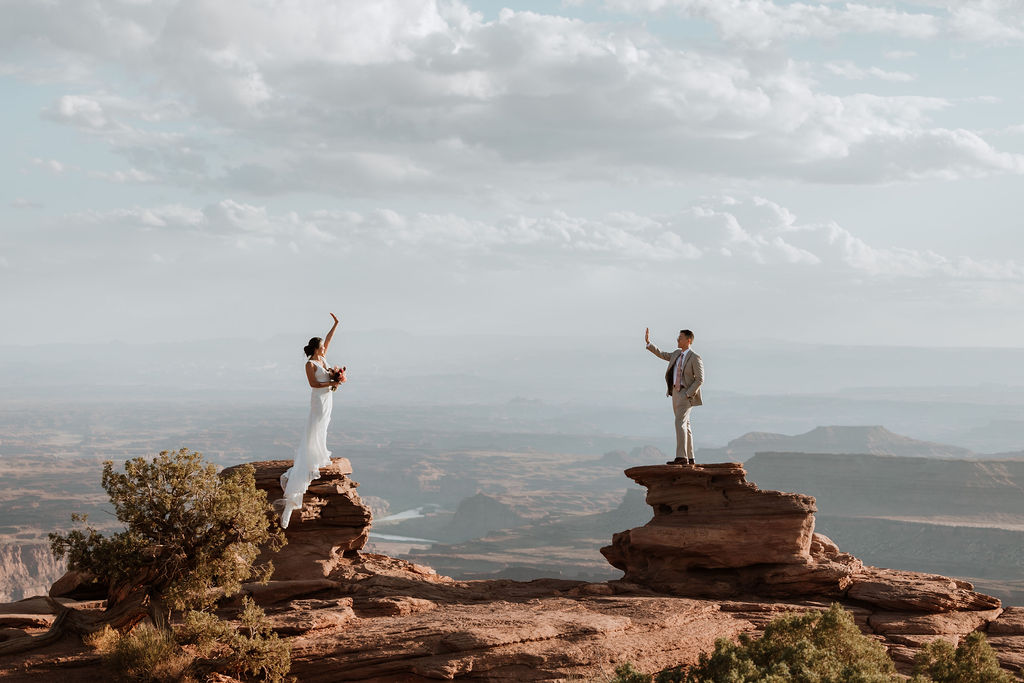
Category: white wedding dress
[312,453]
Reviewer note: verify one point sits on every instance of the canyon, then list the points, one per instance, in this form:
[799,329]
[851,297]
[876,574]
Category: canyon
[718,557]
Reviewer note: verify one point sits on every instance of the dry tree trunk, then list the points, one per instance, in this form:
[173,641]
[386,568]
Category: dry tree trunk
[129,611]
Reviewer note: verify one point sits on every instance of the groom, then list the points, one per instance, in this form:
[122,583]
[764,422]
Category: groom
[684,376]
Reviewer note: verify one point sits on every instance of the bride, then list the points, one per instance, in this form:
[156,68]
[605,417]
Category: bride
[312,454]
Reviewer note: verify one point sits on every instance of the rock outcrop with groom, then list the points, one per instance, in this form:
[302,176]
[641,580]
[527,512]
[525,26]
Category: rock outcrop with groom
[716,535]
[719,557]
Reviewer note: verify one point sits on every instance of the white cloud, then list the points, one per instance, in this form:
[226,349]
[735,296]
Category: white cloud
[425,98]
[761,23]
[764,23]
[132,175]
[848,69]
[711,236]
[51,165]
[22,203]
[988,21]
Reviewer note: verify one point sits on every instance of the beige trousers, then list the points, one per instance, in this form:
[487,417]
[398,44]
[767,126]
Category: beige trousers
[684,436]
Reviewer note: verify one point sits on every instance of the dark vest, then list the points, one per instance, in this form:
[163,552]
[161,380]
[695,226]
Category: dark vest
[670,375]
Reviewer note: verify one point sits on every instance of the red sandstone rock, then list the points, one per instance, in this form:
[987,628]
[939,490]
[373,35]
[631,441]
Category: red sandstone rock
[305,616]
[710,517]
[714,534]
[896,590]
[382,619]
[1009,651]
[332,521]
[279,591]
[1009,623]
[941,623]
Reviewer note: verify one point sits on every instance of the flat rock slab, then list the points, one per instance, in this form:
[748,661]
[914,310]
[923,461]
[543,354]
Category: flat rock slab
[546,638]
[936,623]
[898,591]
[1009,651]
[1009,623]
[301,621]
[279,591]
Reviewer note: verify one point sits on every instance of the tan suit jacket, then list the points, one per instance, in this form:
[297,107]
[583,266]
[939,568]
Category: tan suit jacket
[693,372]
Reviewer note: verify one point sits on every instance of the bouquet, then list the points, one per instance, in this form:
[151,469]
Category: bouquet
[337,375]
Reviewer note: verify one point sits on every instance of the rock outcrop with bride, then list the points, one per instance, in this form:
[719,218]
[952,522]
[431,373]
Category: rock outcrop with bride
[719,557]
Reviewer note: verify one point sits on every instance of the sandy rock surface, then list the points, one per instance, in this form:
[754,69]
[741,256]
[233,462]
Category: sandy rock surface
[365,617]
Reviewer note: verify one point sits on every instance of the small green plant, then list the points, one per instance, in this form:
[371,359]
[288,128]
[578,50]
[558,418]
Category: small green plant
[817,647]
[973,661]
[147,654]
[103,640]
[807,648]
[626,673]
[251,649]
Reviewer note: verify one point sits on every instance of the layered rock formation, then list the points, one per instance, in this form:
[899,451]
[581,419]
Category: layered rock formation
[367,617]
[27,569]
[714,534]
[332,522]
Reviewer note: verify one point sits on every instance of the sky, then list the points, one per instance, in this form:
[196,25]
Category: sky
[822,172]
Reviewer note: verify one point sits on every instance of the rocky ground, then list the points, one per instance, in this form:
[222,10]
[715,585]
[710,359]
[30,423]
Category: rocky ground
[360,616]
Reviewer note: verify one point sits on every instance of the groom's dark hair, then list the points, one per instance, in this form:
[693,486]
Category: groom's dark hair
[689,335]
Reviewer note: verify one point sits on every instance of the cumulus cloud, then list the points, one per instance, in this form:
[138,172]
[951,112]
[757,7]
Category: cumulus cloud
[51,165]
[23,203]
[132,175]
[988,21]
[422,97]
[848,69]
[761,23]
[710,235]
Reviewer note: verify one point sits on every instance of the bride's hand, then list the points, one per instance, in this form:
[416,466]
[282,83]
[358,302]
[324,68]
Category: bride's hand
[335,318]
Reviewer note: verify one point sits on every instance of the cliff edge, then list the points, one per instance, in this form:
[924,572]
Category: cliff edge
[719,557]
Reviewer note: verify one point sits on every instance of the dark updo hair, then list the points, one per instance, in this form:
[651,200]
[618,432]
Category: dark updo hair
[310,348]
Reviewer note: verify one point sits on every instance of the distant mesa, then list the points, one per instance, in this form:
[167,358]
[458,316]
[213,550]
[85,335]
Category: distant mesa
[875,440]
[478,516]
[865,485]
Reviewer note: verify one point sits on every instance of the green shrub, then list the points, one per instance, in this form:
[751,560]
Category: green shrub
[253,648]
[625,673]
[973,661]
[147,654]
[189,534]
[817,647]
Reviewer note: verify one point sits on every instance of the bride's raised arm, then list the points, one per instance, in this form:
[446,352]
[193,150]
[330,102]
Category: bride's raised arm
[330,335]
